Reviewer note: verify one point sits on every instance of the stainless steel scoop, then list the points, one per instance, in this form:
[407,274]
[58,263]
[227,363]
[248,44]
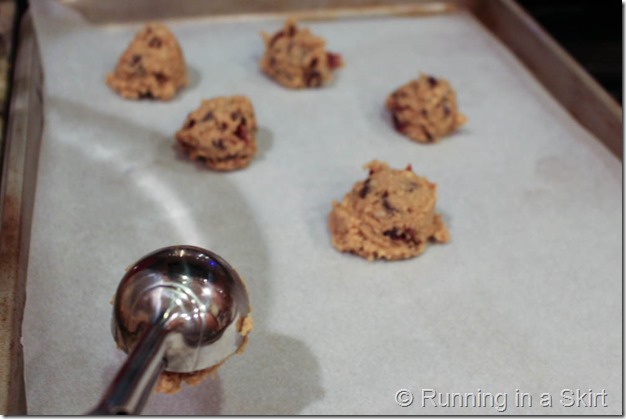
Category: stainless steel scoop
[179,309]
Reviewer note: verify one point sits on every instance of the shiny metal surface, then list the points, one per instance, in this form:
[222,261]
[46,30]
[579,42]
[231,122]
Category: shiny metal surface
[193,294]
[179,308]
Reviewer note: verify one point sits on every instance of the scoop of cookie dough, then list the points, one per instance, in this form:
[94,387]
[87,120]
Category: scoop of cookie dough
[220,133]
[152,66]
[390,215]
[425,109]
[296,58]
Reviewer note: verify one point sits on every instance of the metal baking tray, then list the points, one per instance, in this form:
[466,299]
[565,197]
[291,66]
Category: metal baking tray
[576,92]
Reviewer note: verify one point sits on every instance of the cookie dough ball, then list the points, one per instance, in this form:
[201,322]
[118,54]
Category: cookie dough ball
[425,109]
[390,215]
[296,58]
[152,66]
[220,133]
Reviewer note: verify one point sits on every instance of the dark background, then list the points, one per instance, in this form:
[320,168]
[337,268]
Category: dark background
[590,30]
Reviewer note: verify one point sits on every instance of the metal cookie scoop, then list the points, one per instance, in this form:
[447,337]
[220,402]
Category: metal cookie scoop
[179,309]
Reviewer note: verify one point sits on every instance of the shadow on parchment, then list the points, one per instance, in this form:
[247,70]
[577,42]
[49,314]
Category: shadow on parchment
[275,368]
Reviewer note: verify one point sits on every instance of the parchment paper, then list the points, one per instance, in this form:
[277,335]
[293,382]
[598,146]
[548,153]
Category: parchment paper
[526,296]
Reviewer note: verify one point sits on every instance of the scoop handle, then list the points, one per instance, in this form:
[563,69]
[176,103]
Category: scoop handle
[128,392]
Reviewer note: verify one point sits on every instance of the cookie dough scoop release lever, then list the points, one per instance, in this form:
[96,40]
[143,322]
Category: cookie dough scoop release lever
[178,309]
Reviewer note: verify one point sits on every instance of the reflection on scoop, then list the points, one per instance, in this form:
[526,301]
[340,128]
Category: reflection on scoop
[180,309]
[193,294]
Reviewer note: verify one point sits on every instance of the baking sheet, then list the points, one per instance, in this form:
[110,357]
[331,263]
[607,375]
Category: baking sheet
[526,296]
